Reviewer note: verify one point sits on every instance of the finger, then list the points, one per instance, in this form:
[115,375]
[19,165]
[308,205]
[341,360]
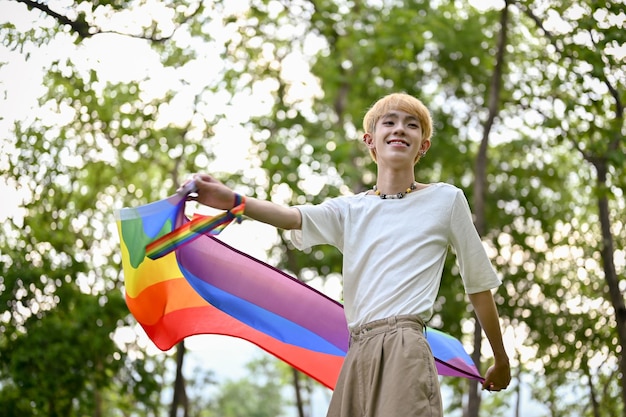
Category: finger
[495,387]
[203,178]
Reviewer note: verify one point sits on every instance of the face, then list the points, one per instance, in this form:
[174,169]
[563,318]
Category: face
[397,137]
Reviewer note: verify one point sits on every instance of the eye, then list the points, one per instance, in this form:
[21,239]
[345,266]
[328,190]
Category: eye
[388,123]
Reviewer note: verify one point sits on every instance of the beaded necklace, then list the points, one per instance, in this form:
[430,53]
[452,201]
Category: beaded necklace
[412,187]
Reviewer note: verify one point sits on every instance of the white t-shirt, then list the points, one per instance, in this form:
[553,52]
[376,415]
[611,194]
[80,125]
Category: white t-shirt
[394,250]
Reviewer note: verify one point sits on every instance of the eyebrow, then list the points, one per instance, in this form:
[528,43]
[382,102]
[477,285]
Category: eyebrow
[395,115]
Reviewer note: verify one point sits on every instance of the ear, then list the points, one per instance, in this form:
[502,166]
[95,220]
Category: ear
[425,146]
[369,141]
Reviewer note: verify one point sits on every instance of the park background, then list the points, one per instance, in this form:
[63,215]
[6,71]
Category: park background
[110,104]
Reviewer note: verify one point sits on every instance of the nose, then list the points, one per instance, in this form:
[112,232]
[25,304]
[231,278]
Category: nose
[398,129]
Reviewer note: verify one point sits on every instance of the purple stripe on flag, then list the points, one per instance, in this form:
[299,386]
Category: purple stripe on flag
[256,282]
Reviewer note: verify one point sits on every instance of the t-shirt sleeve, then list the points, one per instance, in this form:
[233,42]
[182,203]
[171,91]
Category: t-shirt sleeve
[321,224]
[475,266]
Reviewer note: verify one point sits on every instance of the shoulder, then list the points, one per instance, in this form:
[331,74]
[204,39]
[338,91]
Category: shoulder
[448,198]
[346,200]
[445,190]
[331,205]
[446,187]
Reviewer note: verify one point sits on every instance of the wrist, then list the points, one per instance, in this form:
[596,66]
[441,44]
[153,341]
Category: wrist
[501,358]
[238,199]
[239,207]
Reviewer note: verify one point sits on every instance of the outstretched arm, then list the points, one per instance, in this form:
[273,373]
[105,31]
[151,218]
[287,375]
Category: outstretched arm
[498,375]
[214,194]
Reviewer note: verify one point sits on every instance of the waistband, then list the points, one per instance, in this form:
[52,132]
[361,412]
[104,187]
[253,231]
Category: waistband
[384,325]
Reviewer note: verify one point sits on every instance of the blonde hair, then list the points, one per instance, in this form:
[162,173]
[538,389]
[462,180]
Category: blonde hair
[402,102]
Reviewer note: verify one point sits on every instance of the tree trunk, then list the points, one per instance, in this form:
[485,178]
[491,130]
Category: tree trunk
[474,398]
[592,392]
[179,399]
[480,189]
[610,273]
[298,389]
[518,390]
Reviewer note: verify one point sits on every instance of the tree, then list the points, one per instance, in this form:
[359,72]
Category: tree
[553,180]
[259,396]
[70,171]
[354,68]
[591,110]
[481,181]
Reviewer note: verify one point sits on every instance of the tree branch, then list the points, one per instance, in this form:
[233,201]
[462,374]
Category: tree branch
[84,30]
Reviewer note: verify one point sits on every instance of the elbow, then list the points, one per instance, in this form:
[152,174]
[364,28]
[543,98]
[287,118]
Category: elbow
[293,220]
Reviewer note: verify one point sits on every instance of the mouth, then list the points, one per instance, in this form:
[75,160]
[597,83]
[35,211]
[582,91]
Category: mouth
[397,142]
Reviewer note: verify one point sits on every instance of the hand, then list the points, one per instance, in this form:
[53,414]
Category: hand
[498,376]
[213,193]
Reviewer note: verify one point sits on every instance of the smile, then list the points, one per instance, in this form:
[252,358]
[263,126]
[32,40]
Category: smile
[397,142]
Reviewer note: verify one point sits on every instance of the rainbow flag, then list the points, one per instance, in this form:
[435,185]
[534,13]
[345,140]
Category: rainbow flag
[196,284]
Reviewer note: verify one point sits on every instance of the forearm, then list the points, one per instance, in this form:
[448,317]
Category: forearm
[487,313]
[214,194]
[272,213]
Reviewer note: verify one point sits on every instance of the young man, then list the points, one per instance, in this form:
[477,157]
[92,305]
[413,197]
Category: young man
[394,239]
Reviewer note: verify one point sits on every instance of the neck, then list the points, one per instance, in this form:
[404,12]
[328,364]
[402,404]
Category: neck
[394,181]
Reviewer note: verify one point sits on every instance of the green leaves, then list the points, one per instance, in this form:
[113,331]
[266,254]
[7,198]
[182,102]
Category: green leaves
[95,143]
[62,352]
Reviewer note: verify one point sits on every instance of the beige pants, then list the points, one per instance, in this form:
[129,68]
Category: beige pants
[389,371]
